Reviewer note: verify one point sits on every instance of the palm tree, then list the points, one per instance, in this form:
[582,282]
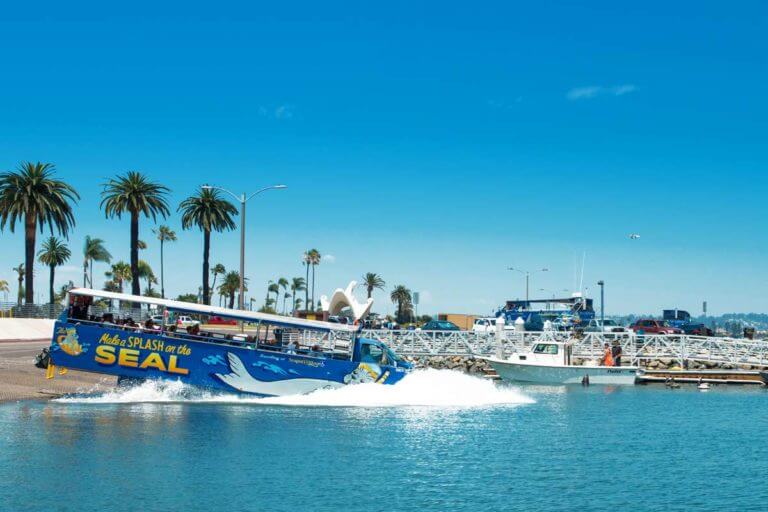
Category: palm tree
[314,258]
[63,291]
[283,283]
[218,269]
[4,287]
[373,281]
[402,296]
[297,284]
[33,194]
[146,272]
[209,212]
[53,253]
[121,272]
[286,296]
[93,250]
[135,194]
[273,288]
[21,273]
[230,286]
[164,234]
[305,260]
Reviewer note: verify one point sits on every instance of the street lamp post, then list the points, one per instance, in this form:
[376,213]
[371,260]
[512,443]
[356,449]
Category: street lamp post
[527,277]
[601,284]
[242,199]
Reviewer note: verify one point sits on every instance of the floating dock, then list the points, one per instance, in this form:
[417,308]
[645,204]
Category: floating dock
[752,377]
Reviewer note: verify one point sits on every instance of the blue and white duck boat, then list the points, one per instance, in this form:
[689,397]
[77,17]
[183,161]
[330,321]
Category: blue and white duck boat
[273,355]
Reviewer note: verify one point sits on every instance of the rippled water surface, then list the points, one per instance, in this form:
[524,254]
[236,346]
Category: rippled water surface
[465,445]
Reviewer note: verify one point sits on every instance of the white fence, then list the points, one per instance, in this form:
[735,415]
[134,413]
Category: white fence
[636,348]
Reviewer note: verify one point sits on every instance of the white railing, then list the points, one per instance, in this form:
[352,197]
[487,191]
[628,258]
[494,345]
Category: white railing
[636,348]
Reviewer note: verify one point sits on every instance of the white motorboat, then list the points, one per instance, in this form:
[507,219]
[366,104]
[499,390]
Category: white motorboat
[549,362]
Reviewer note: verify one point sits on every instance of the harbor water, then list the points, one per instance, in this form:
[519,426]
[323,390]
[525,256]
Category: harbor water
[436,441]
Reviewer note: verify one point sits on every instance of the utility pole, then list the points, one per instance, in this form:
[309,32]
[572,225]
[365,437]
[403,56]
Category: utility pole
[242,199]
[601,284]
[527,279]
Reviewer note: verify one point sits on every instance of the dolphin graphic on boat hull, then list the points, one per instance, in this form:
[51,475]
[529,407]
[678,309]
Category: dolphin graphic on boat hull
[238,378]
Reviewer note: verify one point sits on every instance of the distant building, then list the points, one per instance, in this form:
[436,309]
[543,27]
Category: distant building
[464,322]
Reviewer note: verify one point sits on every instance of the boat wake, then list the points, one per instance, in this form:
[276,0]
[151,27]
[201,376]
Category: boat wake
[430,388]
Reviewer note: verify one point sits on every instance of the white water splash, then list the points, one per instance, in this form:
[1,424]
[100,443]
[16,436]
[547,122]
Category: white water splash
[432,388]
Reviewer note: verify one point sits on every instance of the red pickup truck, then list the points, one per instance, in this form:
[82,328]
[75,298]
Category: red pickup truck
[654,327]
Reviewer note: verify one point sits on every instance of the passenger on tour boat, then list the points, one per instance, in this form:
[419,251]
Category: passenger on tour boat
[291,348]
[616,353]
[607,356]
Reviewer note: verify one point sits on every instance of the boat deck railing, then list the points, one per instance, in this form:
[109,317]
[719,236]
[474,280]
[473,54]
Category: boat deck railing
[290,341]
[635,348]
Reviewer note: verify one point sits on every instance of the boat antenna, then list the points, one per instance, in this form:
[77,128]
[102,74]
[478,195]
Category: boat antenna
[581,282]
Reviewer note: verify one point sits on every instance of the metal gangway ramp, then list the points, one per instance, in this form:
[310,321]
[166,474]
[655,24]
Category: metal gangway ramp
[639,349]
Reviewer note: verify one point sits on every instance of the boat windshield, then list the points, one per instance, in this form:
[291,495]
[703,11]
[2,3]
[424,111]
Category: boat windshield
[545,348]
[378,353]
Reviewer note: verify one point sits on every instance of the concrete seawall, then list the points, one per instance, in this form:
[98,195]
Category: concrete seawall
[25,329]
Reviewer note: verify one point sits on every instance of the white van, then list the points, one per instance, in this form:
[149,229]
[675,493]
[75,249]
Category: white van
[484,325]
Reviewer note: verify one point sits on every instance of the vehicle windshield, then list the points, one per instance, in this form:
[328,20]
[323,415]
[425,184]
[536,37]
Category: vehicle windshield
[545,348]
[391,355]
[445,325]
[609,322]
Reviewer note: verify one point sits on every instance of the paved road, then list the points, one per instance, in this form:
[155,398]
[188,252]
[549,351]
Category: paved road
[20,379]
[21,349]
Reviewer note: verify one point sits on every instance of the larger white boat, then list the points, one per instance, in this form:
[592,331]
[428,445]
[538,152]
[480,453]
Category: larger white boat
[549,362]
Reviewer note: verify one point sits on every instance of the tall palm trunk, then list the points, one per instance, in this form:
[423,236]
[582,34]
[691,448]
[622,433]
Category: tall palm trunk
[313,287]
[232,299]
[50,285]
[85,273]
[135,284]
[90,278]
[21,290]
[29,257]
[306,291]
[162,277]
[206,255]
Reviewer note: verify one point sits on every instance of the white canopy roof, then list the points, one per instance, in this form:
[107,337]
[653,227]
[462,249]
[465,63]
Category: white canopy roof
[188,307]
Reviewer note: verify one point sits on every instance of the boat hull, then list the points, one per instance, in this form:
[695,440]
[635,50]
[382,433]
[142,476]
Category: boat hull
[218,366]
[541,374]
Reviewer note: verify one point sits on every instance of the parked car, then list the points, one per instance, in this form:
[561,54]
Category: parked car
[440,325]
[185,321]
[220,320]
[484,325]
[606,327]
[654,327]
[697,330]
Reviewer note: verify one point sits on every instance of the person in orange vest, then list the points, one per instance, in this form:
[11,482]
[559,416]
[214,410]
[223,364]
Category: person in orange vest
[607,357]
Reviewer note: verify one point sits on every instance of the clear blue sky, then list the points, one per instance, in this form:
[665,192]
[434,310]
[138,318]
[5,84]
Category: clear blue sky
[434,144]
